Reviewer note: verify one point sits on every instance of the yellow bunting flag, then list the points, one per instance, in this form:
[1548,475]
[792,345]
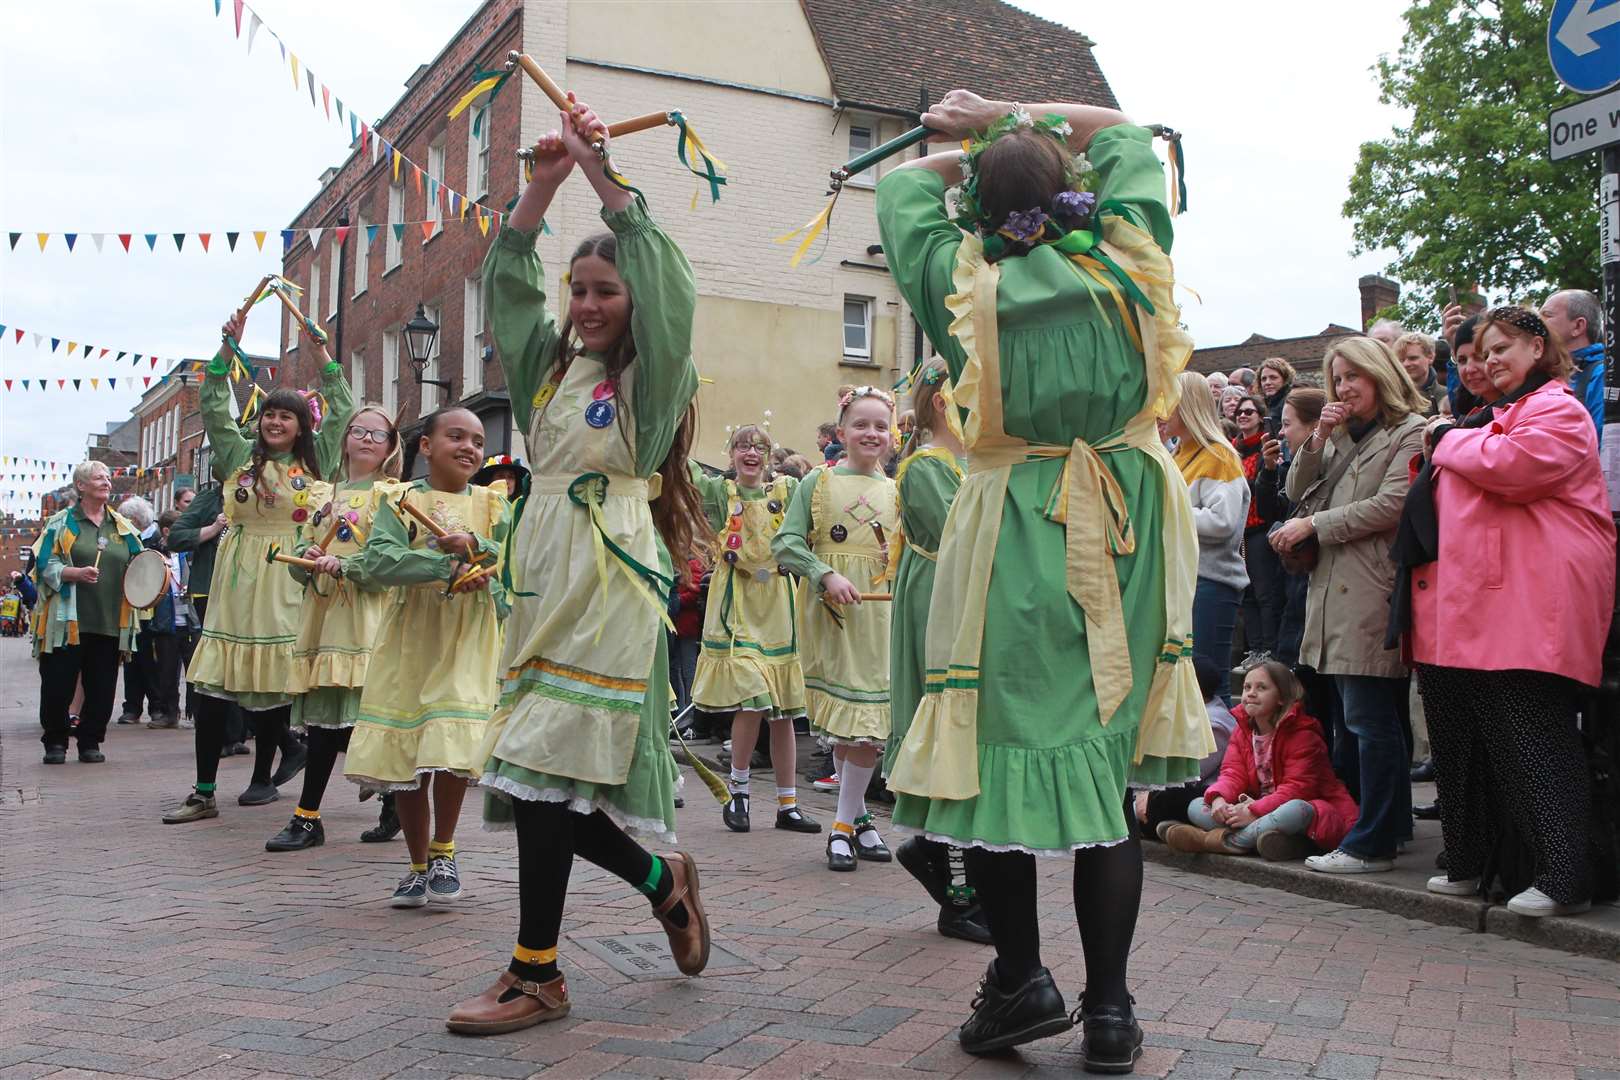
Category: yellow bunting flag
[73,347]
[465,203]
[396,164]
[294,69]
[483,223]
[95,384]
[258,238]
[43,237]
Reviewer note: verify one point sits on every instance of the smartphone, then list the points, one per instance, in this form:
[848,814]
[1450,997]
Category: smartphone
[1451,292]
[1272,427]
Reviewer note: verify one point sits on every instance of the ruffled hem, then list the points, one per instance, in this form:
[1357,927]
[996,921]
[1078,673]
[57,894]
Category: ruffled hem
[847,721]
[390,755]
[324,726]
[724,684]
[239,667]
[1055,799]
[834,740]
[334,708]
[1039,853]
[388,787]
[654,828]
[323,670]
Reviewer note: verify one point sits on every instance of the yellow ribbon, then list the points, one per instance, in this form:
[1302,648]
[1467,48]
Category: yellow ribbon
[472,95]
[810,229]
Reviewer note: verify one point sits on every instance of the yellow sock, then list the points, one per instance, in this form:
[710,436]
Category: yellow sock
[418,867]
[446,850]
[313,815]
[847,830]
[535,956]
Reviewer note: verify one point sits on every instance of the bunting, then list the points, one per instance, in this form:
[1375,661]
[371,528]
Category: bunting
[52,242]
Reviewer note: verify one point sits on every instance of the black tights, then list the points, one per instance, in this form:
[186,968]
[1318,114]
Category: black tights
[325,744]
[268,727]
[549,835]
[1107,895]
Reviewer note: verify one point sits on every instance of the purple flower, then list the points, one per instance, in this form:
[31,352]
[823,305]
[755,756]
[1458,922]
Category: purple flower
[1075,203]
[1026,224]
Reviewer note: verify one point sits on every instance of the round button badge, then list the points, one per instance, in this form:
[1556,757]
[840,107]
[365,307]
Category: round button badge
[838,533]
[599,414]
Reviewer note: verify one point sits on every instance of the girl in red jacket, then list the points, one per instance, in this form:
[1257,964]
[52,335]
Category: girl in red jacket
[1277,790]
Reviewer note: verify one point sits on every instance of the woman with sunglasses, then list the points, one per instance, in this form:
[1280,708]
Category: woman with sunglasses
[340,620]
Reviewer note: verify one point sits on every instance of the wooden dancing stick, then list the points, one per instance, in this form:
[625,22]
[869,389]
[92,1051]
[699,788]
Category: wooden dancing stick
[876,596]
[253,297]
[433,526]
[534,71]
[275,555]
[317,331]
[645,122]
[472,575]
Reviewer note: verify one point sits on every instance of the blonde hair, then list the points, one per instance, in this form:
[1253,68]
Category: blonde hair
[924,393]
[1412,337]
[84,470]
[391,464]
[1398,396]
[1198,416]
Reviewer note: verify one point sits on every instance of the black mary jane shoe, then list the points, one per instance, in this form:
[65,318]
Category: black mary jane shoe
[1427,811]
[1002,1019]
[920,858]
[964,924]
[837,859]
[300,833]
[735,813]
[1111,1039]
[795,820]
[878,852]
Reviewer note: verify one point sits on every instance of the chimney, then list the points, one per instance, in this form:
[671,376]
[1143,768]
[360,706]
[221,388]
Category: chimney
[1377,293]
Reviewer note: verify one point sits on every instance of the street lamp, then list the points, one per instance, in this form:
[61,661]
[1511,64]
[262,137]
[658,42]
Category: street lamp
[420,334]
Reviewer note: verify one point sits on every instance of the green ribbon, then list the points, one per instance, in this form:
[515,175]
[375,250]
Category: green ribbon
[590,489]
[714,179]
[478,76]
[1084,242]
[511,535]
[314,331]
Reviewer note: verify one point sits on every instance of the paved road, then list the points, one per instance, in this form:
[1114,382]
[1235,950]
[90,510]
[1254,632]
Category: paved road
[132,948]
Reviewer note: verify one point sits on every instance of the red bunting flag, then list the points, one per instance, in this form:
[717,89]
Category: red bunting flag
[343,233]
[124,238]
[204,238]
[326,100]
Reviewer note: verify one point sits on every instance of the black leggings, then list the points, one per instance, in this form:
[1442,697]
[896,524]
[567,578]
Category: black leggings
[1107,894]
[325,744]
[549,836]
[268,727]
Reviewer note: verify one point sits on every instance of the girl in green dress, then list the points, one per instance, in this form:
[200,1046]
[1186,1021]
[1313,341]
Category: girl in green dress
[273,487]
[577,751]
[1057,661]
[925,484]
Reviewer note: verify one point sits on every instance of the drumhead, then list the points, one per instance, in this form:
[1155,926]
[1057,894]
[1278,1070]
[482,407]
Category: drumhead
[146,579]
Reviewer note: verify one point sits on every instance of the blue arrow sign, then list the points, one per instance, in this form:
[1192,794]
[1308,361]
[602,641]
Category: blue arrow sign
[1583,43]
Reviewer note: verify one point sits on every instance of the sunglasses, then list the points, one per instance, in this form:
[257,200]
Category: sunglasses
[1247,412]
[370,435]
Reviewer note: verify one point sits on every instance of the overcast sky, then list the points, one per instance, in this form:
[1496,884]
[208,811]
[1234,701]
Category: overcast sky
[119,117]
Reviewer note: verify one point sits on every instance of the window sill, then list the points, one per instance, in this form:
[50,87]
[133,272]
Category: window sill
[436,234]
[857,361]
[394,269]
[358,295]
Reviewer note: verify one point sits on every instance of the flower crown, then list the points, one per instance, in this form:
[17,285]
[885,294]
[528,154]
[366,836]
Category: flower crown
[1070,209]
[858,392]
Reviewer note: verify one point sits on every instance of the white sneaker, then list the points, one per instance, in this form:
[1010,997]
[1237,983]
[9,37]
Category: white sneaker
[1536,904]
[1441,885]
[1340,861]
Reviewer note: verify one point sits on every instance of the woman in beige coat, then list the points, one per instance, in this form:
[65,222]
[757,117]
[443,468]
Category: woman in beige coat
[1374,414]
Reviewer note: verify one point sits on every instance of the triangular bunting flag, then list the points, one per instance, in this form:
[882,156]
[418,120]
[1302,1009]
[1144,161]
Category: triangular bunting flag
[38,337]
[230,238]
[315,237]
[112,384]
[354,127]
[258,238]
[397,157]
[416,171]
[286,240]
[103,355]
[73,347]
[179,241]
[366,145]
[309,76]
[8,384]
[14,237]
[95,384]
[454,200]
[204,238]
[87,350]
[254,22]
[343,233]
[70,238]
[433,191]
[339,103]
[238,18]
[124,238]
[121,354]
[371,233]
[61,383]
[399,230]
[43,237]
[76,384]
[146,380]
[272,374]
[483,223]
[19,337]
[56,343]
[99,238]
[151,241]
[294,69]
[427,231]
[326,100]
[465,205]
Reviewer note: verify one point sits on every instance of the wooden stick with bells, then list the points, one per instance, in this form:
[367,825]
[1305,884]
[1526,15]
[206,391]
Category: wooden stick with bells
[474,558]
[274,555]
[548,85]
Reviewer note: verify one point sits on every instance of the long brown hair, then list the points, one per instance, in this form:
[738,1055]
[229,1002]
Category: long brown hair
[1020,171]
[924,392]
[303,447]
[679,507]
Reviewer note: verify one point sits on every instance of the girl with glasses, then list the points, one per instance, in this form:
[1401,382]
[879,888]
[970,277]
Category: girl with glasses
[340,619]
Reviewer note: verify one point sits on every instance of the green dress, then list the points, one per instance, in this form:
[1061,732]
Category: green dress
[926,482]
[1050,774]
[584,708]
[256,608]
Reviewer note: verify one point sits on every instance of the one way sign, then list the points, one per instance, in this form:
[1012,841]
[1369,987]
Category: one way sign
[1583,43]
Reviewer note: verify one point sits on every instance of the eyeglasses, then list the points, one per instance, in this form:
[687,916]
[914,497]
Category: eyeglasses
[370,435]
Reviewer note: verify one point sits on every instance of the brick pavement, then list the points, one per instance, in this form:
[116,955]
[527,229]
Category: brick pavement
[136,949]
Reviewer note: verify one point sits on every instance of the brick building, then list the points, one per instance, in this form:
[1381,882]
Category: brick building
[837,77]
[1305,353]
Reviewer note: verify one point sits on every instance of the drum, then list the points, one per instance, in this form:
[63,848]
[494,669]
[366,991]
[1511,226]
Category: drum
[146,579]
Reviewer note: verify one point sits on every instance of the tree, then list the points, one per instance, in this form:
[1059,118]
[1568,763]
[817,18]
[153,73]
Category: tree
[1465,192]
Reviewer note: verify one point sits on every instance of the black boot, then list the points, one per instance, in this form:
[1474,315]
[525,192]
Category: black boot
[258,795]
[925,861]
[300,833]
[735,812]
[964,923]
[293,756]
[1112,1039]
[1003,1019]
[387,826]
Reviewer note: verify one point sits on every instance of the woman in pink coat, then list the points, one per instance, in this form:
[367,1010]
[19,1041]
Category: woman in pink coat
[1508,622]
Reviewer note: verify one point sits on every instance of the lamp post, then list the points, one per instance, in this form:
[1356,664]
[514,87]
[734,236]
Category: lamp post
[420,333]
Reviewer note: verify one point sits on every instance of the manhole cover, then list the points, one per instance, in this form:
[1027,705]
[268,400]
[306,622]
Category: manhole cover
[646,956]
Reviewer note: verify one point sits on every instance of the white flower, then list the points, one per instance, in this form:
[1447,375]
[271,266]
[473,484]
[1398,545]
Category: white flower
[965,162]
[1021,118]
[1063,128]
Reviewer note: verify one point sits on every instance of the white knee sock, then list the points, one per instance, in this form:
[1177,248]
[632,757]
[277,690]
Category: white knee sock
[852,780]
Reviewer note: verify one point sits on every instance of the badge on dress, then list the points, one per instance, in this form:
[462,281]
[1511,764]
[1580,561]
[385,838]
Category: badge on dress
[244,479]
[300,514]
[543,395]
[343,532]
[241,494]
[603,391]
[599,414]
[298,483]
[838,534]
[774,505]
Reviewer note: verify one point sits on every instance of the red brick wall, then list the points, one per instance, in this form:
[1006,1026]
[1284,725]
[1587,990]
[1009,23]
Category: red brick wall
[433,273]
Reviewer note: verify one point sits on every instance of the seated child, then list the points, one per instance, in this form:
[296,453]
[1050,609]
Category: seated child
[1277,791]
[1156,811]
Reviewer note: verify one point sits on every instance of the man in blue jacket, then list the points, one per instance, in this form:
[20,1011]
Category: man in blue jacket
[1576,316]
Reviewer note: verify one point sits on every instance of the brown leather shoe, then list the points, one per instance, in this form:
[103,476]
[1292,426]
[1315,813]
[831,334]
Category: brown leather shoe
[487,1014]
[689,944]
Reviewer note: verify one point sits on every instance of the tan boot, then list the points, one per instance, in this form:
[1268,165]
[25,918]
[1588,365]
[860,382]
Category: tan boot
[1192,840]
[487,1014]
[689,944]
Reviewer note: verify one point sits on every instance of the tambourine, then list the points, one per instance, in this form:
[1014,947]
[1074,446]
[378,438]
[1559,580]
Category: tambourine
[146,579]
